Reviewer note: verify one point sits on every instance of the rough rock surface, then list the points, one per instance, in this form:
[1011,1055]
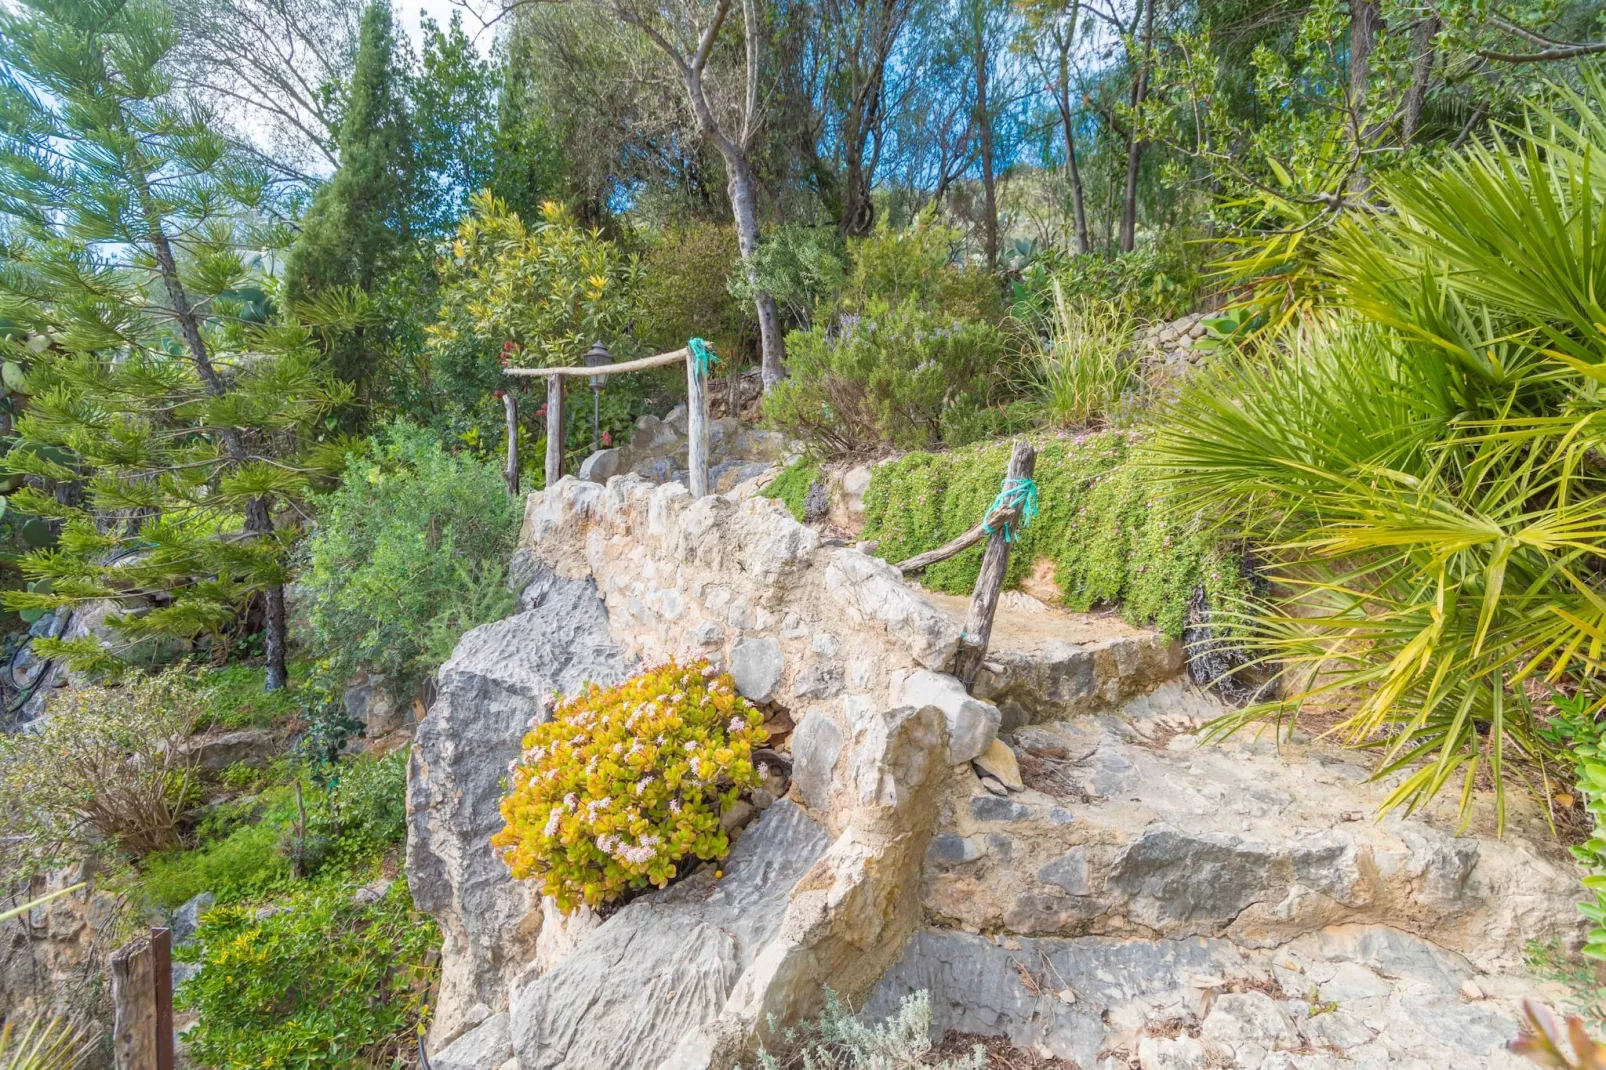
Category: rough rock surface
[1346,996]
[1171,838]
[665,963]
[492,689]
[1150,901]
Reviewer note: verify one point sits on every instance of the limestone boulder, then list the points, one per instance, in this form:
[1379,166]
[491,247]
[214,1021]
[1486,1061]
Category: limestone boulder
[666,963]
[494,687]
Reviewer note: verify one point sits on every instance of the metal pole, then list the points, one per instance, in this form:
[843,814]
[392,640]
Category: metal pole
[596,419]
[162,970]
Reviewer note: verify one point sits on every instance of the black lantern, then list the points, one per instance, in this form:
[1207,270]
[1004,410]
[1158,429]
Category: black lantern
[596,357]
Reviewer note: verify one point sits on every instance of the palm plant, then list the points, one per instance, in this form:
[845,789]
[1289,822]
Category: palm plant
[1424,461]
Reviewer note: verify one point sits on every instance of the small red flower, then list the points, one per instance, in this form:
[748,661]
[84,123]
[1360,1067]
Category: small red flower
[607,439]
[499,394]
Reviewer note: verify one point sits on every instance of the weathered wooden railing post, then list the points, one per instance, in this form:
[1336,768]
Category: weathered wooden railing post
[994,562]
[555,428]
[142,993]
[511,406]
[696,423]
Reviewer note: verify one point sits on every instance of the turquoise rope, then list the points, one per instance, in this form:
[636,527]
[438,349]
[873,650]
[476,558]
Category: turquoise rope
[1016,494]
[704,356]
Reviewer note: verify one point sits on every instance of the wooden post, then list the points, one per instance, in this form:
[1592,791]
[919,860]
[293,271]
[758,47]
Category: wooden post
[511,406]
[142,993]
[696,428]
[554,429]
[984,600]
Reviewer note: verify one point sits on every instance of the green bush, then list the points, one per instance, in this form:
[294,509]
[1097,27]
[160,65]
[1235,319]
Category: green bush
[911,353]
[898,375]
[1152,283]
[1113,538]
[409,549]
[105,772]
[682,292]
[323,981]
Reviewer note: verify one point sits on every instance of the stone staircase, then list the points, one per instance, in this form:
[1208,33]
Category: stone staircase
[1143,898]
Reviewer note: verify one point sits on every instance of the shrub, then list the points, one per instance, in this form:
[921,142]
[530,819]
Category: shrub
[1112,537]
[106,768]
[322,981]
[410,546]
[624,782]
[840,1041]
[1088,364]
[898,375]
[682,291]
[550,287]
[802,267]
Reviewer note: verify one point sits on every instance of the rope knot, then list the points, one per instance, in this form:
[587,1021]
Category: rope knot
[1019,493]
[702,355]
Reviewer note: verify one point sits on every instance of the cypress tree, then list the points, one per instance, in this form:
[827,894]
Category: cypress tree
[359,227]
[173,405]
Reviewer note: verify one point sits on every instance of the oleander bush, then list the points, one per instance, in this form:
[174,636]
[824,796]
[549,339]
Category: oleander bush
[624,783]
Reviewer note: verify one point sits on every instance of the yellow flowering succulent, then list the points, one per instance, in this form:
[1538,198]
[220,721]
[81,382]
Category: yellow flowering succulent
[624,782]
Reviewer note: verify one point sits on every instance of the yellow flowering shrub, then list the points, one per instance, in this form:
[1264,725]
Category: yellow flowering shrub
[624,782]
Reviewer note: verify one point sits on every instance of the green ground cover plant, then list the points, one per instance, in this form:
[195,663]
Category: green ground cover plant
[1113,539]
[322,980]
[791,487]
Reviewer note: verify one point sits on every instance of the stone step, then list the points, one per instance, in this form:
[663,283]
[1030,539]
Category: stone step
[1361,997]
[1130,826]
[1139,862]
[1045,663]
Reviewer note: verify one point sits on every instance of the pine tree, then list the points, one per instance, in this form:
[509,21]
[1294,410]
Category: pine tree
[359,228]
[172,404]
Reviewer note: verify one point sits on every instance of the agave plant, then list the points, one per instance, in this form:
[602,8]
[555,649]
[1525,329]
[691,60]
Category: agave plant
[49,1044]
[1424,461]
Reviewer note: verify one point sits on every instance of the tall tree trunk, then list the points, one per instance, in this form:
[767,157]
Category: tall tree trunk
[1423,35]
[1135,142]
[1084,240]
[744,207]
[984,130]
[1363,18]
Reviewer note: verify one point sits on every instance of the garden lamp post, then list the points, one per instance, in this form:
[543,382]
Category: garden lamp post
[597,356]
